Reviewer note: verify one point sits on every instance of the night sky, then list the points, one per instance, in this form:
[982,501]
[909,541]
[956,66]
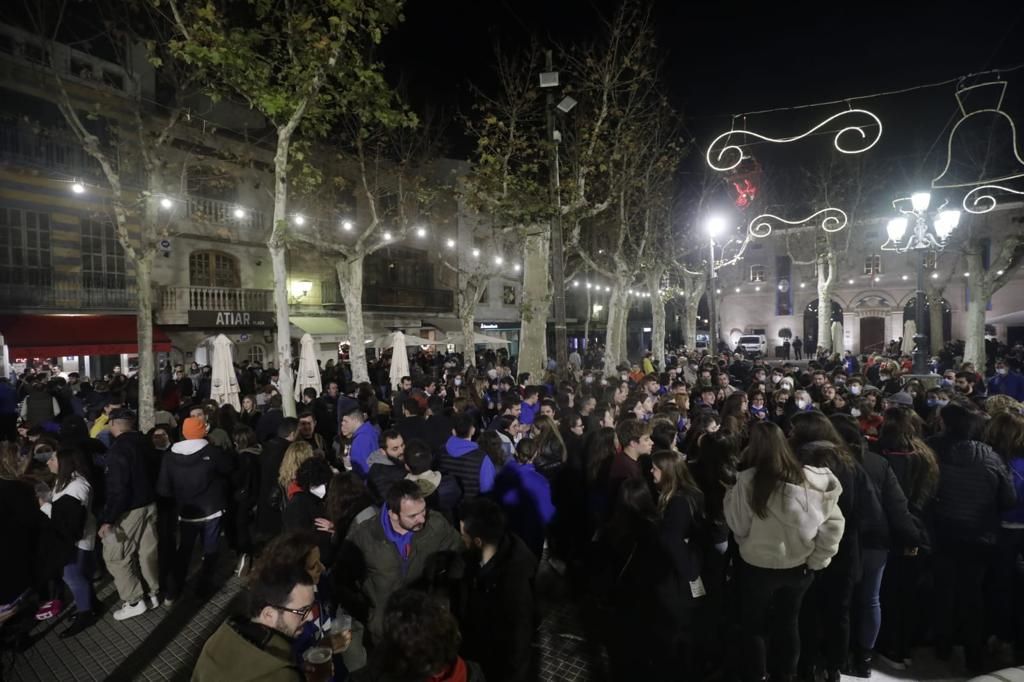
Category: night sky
[724,58]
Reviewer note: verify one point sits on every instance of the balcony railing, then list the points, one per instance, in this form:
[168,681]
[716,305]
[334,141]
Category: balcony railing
[66,293]
[184,299]
[220,212]
[376,297]
[45,148]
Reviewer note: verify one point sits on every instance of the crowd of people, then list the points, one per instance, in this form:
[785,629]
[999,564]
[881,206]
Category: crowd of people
[717,516]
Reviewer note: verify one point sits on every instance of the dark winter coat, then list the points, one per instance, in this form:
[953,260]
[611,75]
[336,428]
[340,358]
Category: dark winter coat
[195,475]
[974,491]
[299,514]
[898,526]
[20,522]
[270,503]
[128,476]
[496,612]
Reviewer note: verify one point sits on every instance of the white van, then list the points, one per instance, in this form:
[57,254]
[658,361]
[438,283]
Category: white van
[753,345]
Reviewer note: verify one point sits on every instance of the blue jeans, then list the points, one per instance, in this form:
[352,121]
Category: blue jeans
[78,578]
[866,602]
[189,532]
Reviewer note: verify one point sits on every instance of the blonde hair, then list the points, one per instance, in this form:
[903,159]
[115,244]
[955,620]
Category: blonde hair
[297,453]
[12,464]
[997,404]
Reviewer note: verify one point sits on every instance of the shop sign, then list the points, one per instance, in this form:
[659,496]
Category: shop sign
[230,319]
[488,325]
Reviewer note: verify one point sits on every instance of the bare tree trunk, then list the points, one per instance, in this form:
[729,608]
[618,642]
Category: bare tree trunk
[536,303]
[468,296]
[276,246]
[284,336]
[144,328]
[618,313]
[350,283]
[694,289]
[826,278]
[657,316]
[974,349]
[586,323]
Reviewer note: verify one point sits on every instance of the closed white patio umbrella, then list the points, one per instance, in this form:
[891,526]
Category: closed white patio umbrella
[399,359]
[224,382]
[309,372]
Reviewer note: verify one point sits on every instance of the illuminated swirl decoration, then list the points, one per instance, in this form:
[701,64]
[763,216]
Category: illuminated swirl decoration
[980,199]
[731,155]
[831,220]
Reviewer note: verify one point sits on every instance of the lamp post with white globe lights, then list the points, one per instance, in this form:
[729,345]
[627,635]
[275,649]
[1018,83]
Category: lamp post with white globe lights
[929,230]
[714,226]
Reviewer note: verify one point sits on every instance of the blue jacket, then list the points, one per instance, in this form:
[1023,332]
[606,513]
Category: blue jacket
[365,440]
[528,413]
[525,495]
[8,399]
[457,447]
[1012,384]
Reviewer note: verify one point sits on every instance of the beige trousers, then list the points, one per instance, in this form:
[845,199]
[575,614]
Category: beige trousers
[129,552]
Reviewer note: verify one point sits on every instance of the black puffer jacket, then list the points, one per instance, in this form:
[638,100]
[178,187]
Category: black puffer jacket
[194,474]
[898,527]
[975,488]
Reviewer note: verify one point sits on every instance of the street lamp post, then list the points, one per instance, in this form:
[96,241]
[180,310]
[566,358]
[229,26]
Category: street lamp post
[714,226]
[929,232]
[549,81]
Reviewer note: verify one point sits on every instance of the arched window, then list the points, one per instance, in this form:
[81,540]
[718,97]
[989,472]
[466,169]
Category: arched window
[213,269]
[256,354]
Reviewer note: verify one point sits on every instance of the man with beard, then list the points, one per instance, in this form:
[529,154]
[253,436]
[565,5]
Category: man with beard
[386,464]
[966,388]
[258,645]
[495,606]
[393,551]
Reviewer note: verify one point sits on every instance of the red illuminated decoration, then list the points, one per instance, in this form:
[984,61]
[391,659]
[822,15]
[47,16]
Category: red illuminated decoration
[746,192]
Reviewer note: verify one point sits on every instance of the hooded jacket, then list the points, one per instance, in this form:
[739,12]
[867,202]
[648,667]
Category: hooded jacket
[803,524]
[244,651]
[383,473]
[194,475]
[467,463]
[364,443]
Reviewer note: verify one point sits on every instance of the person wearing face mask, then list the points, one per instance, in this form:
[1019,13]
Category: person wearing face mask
[306,511]
[948,379]
[194,475]
[1006,382]
[888,383]
[758,408]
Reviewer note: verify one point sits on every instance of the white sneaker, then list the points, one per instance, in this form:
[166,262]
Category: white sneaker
[153,601]
[130,610]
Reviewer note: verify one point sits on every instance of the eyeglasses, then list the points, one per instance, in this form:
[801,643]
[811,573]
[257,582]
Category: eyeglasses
[301,613]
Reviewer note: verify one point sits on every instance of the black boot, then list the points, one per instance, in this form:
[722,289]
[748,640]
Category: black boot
[80,621]
[860,665]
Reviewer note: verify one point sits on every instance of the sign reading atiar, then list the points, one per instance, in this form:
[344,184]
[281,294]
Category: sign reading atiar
[230,319]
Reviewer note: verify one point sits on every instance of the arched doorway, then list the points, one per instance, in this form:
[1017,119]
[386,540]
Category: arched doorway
[910,311]
[872,334]
[811,324]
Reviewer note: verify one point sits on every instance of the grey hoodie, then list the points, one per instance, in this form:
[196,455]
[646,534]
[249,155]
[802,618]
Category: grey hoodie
[803,525]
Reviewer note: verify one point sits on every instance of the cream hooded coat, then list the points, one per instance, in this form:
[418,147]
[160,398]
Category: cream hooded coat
[803,525]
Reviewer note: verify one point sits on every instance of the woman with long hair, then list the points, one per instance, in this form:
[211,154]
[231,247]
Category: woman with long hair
[297,453]
[898,531]
[551,451]
[72,534]
[825,615]
[786,520]
[735,415]
[1005,434]
[916,469]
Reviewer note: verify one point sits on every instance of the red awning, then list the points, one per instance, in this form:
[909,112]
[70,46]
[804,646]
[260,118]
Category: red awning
[41,336]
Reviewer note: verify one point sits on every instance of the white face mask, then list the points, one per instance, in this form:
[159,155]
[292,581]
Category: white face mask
[1001,370]
[883,377]
[855,389]
[854,412]
[776,378]
[458,381]
[492,374]
[801,404]
[319,491]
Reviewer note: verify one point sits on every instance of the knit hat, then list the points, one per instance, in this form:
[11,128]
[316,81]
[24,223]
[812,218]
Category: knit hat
[903,399]
[194,428]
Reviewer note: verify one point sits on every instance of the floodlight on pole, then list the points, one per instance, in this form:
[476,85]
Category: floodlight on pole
[566,105]
[715,225]
[166,203]
[347,225]
[77,187]
[239,213]
[549,79]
